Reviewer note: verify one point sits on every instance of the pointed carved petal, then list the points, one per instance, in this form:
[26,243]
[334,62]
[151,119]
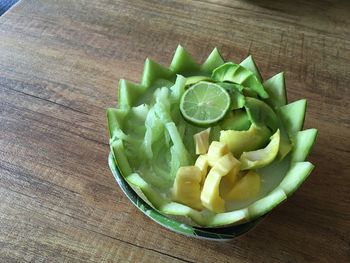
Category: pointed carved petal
[183,63]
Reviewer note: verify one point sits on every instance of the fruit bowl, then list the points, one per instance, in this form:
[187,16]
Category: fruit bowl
[151,141]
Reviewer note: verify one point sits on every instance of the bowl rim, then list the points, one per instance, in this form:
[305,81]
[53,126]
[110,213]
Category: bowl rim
[218,234]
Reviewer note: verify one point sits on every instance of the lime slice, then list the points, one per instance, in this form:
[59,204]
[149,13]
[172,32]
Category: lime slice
[204,103]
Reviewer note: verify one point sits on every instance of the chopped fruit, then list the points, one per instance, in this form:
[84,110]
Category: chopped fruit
[210,196]
[262,157]
[245,188]
[249,140]
[187,186]
[227,163]
[216,150]
[201,140]
[202,164]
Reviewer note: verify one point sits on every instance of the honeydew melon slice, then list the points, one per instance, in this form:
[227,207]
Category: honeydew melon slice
[303,142]
[153,71]
[276,88]
[183,63]
[292,116]
[128,93]
[115,118]
[250,64]
[213,61]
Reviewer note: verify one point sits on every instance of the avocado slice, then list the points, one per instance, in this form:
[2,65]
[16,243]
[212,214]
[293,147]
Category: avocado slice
[237,120]
[235,73]
[261,114]
[262,157]
[240,141]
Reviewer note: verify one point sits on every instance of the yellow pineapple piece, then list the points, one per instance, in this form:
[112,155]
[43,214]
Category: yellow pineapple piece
[215,151]
[227,163]
[245,188]
[210,196]
[202,164]
[201,140]
[187,186]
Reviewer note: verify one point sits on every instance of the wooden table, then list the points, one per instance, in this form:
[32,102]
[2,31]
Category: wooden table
[60,62]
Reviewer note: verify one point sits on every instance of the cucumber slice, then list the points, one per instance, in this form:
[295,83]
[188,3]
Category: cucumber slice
[292,116]
[153,71]
[296,175]
[261,114]
[250,64]
[276,88]
[213,61]
[128,93]
[183,63]
[303,142]
[237,74]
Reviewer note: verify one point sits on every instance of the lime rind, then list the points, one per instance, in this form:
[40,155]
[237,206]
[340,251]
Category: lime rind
[291,115]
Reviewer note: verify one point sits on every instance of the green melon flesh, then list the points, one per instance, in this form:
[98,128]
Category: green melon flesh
[292,116]
[250,64]
[183,63]
[303,142]
[213,61]
[276,88]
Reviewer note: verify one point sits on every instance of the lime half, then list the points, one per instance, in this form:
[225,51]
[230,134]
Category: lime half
[204,103]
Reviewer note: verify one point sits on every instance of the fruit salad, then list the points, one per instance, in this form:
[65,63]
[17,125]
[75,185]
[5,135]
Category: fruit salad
[209,144]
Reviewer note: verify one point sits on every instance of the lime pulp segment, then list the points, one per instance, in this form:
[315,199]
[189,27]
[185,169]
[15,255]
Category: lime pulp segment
[205,103]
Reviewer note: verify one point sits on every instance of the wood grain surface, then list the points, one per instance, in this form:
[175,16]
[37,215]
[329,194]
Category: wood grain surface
[60,62]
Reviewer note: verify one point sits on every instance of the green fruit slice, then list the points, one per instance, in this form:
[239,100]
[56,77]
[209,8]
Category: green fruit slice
[296,174]
[205,103]
[237,120]
[238,74]
[213,61]
[262,157]
[153,71]
[292,116]
[261,114]
[240,141]
[276,88]
[195,79]
[249,64]
[303,142]
[183,63]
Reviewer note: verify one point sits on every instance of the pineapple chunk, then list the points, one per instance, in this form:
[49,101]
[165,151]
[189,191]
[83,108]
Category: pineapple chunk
[201,140]
[245,188]
[210,196]
[227,163]
[187,188]
[216,150]
[202,164]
